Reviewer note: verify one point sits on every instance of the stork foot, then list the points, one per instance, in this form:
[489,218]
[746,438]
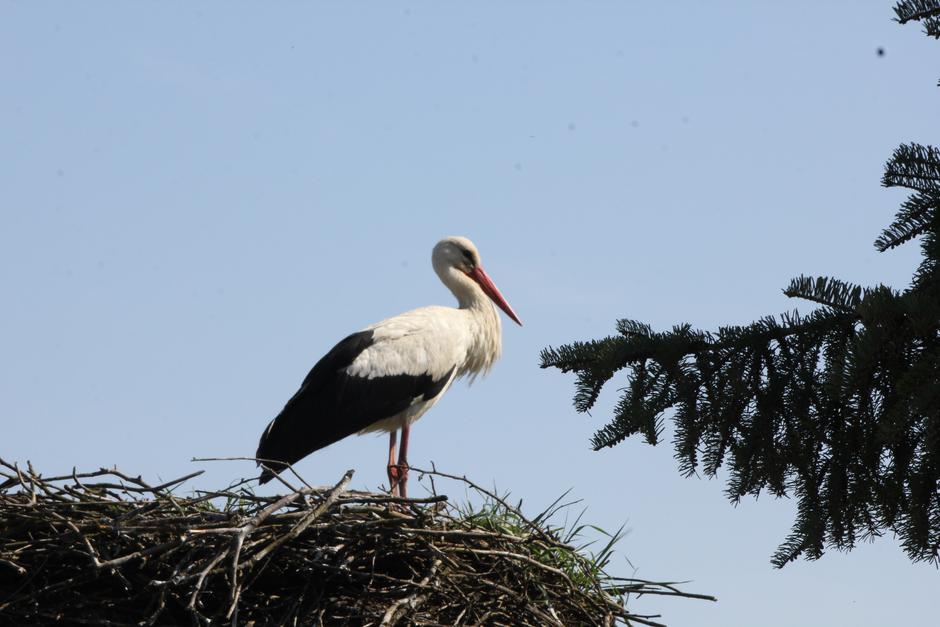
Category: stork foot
[398,480]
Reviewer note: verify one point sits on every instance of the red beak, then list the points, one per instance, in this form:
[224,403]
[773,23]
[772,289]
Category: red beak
[489,288]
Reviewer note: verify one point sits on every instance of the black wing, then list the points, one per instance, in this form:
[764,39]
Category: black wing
[332,404]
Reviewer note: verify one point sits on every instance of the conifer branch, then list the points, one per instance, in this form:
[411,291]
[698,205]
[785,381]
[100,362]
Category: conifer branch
[914,166]
[839,408]
[916,10]
[826,291]
[912,220]
[932,27]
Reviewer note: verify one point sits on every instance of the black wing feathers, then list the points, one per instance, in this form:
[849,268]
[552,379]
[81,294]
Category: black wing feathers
[331,404]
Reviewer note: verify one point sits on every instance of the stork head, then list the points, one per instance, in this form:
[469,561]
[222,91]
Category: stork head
[457,262]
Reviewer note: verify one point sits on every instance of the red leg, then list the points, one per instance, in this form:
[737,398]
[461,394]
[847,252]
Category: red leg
[393,474]
[403,462]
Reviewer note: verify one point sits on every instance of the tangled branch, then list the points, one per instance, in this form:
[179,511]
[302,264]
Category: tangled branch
[107,548]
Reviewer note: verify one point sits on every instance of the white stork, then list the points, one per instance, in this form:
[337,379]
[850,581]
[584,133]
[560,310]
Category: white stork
[388,375]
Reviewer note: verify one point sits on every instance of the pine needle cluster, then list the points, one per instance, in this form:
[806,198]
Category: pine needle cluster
[839,408]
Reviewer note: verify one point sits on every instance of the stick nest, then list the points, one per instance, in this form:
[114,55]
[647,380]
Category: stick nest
[106,548]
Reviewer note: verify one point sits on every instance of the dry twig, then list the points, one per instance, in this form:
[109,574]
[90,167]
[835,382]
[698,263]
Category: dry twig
[112,549]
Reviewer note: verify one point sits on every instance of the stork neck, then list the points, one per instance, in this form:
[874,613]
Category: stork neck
[466,291]
[485,325]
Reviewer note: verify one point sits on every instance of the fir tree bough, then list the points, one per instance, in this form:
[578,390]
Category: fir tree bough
[840,407]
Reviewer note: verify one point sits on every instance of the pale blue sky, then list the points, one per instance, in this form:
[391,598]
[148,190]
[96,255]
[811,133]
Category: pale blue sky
[198,199]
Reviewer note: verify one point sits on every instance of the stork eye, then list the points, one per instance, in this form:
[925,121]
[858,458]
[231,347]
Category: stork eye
[468,255]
